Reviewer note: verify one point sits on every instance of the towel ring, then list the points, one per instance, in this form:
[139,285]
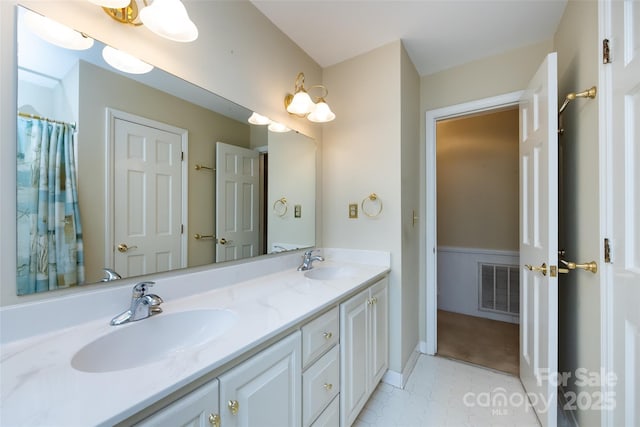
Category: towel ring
[373,199]
[281,206]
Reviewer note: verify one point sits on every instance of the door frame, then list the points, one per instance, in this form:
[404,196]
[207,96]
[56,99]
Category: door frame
[605,146]
[431,225]
[111,115]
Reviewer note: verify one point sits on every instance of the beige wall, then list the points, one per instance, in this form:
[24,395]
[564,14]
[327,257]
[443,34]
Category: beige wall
[477,180]
[363,154]
[204,129]
[577,45]
[410,231]
[253,68]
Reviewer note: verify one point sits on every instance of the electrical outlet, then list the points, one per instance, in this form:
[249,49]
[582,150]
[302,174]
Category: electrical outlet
[353,210]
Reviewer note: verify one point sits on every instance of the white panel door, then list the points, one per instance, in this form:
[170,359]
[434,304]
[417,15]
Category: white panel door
[539,240]
[237,197]
[147,199]
[624,323]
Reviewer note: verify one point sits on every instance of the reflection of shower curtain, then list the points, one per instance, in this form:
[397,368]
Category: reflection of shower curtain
[50,253]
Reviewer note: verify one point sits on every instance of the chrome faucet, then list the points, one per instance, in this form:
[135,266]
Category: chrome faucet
[143,305]
[307,260]
[110,275]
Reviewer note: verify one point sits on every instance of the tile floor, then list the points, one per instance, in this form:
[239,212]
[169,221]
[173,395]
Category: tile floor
[443,392]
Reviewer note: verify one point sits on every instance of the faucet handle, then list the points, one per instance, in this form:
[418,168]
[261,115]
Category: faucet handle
[141,288]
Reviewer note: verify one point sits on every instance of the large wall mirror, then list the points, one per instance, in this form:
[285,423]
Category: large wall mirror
[144,173]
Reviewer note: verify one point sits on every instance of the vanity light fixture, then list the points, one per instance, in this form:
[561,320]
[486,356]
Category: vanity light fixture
[56,33]
[166,18]
[125,62]
[300,103]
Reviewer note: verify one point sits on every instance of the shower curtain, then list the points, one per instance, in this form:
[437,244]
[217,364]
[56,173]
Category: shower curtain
[49,241]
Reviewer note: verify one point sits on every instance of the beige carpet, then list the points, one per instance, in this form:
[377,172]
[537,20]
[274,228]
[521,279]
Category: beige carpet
[479,341]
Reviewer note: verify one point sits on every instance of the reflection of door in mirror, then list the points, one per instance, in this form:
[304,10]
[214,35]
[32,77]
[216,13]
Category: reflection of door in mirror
[147,199]
[237,197]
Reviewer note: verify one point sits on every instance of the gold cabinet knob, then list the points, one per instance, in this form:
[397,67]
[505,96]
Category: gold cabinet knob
[542,269]
[234,406]
[214,420]
[328,335]
[328,386]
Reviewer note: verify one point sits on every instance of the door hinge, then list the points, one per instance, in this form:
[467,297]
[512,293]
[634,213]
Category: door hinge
[607,251]
[606,52]
[182,156]
[181,228]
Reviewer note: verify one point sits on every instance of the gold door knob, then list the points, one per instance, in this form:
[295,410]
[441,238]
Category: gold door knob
[542,269]
[328,386]
[588,266]
[327,335]
[234,406]
[214,420]
[224,241]
[122,247]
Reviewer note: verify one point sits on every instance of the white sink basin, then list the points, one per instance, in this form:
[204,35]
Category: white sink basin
[149,340]
[329,273]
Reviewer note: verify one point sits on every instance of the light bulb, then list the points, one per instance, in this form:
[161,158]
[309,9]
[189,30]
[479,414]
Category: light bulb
[301,103]
[322,113]
[257,119]
[124,62]
[169,19]
[55,33]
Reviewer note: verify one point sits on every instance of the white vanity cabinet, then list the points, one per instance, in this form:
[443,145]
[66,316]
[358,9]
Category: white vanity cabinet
[197,409]
[364,348]
[264,390]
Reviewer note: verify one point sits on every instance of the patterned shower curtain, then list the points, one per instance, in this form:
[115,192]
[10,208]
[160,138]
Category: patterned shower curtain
[50,252]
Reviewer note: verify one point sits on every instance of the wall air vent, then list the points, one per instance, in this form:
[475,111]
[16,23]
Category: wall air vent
[499,288]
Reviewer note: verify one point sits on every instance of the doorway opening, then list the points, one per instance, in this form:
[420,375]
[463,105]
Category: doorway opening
[477,247]
[466,235]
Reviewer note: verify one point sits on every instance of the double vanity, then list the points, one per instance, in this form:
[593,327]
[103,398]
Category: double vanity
[258,343]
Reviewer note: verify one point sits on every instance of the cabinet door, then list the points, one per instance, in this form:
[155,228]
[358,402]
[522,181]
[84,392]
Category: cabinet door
[379,332]
[266,389]
[353,357]
[197,409]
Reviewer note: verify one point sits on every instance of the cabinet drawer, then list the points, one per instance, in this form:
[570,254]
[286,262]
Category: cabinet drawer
[320,384]
[319,335]
[330,417]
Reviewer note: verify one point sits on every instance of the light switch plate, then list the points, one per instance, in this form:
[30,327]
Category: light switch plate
[353,210]
[297,211]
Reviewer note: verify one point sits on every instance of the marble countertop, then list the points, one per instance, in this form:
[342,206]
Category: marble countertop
[40,386]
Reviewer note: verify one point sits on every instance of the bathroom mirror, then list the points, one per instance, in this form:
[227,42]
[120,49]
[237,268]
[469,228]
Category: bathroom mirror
[107,108]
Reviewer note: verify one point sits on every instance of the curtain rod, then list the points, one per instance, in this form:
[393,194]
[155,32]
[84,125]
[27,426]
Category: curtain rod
[35,116]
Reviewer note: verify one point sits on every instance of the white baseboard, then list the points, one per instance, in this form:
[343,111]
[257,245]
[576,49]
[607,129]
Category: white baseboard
[399,380]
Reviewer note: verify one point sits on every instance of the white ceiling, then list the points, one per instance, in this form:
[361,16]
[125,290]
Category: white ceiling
[438,34]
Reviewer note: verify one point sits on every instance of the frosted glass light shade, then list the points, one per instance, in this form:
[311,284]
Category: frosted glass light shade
[301,103]
[111,4]
[321,113]
[55,33]
[124,62]
[169,19]
[257,119]
[278,127]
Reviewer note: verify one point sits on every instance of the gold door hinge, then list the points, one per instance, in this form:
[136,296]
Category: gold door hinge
[607,251]
[606,52]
